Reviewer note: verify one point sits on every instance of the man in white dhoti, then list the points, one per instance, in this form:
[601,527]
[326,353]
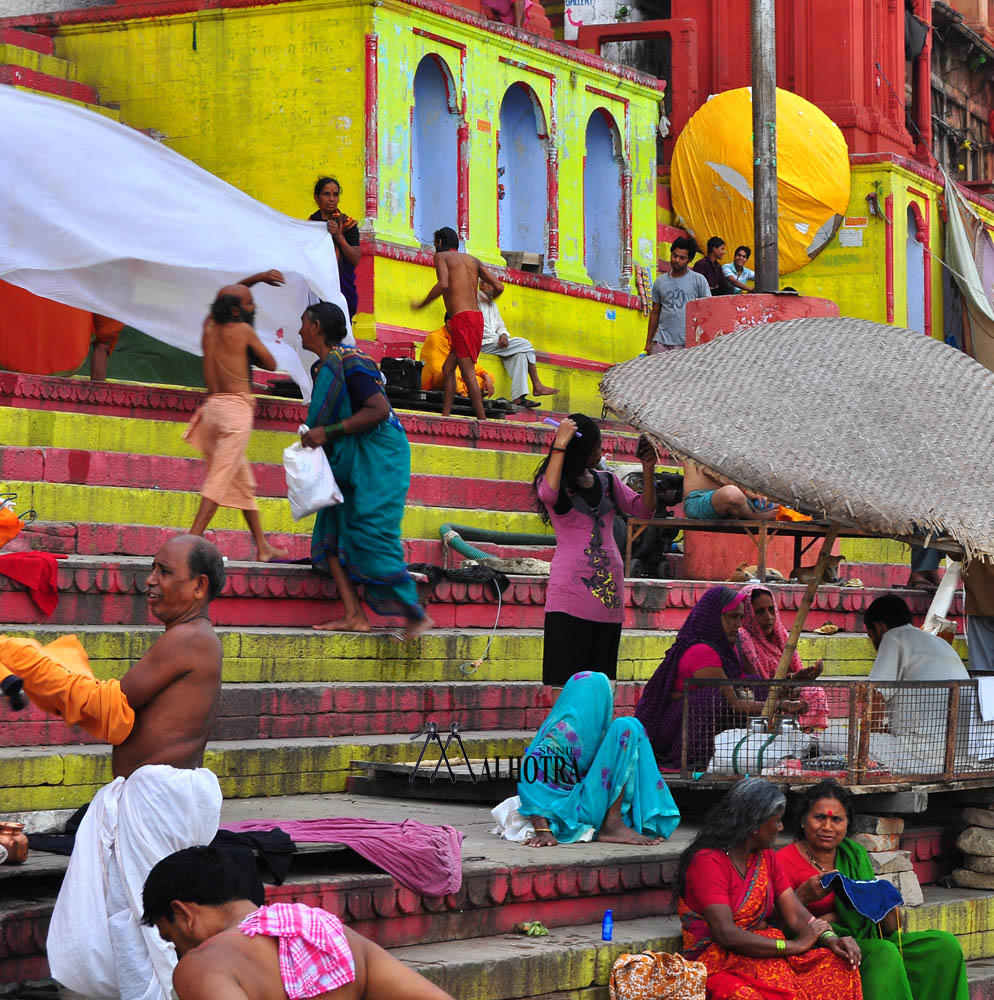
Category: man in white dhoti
[161,799]
[915,738]
[517,353]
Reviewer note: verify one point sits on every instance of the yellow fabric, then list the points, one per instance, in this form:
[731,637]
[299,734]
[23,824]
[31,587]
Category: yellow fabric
[711,175]
[434,351]
[57,678]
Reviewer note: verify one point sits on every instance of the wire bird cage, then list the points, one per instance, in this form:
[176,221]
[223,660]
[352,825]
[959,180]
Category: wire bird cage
[905,731]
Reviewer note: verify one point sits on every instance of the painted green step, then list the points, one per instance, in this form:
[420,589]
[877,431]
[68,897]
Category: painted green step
[169,508]
[268,655]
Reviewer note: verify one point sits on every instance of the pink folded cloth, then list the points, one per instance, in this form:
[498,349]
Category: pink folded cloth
[315,956]
[426,859]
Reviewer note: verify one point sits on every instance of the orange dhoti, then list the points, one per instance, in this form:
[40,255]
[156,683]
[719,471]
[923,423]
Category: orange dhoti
[57,678]
[220,430]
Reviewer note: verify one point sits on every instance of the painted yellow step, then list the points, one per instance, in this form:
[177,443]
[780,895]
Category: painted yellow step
[65,777]
[256,656]
[113,113]
[170,508]
[40,62]
[129,435]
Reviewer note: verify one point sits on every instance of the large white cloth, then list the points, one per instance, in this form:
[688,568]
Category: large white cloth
[99,216]
[916,739]
[97,945]
[517,355]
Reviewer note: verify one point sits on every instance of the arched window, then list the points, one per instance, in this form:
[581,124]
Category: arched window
[603,201]
[522,173]
[434,149]
[916,270]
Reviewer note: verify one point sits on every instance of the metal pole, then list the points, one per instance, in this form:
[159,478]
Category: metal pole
[764,144]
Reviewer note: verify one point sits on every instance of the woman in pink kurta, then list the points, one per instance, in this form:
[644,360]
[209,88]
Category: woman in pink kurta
[585,599]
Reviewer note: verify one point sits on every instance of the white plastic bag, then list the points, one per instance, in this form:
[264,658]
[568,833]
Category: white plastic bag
[310,483]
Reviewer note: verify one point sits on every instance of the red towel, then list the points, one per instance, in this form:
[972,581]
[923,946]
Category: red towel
[38,571]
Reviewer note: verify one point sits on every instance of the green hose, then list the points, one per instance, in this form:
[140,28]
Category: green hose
[453,536]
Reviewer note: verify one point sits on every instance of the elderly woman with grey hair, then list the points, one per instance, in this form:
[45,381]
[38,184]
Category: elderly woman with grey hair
[730,885]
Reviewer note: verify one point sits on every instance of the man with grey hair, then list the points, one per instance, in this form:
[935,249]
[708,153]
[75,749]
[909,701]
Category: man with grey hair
[161,800]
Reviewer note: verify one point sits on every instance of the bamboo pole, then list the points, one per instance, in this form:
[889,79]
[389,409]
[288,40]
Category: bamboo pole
[783,667]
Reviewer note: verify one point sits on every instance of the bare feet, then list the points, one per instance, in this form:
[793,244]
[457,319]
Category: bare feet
[618,833]
[357,624]
[269,553]
[417,628]
[544,390]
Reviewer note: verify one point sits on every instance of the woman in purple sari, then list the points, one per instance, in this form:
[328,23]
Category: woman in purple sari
[705,648]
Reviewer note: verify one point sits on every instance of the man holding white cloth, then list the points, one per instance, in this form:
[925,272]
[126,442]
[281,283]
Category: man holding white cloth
[161,799]
[517,353]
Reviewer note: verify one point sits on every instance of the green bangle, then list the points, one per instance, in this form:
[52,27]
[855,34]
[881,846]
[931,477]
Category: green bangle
[335,430]
[781,946]
[826,935]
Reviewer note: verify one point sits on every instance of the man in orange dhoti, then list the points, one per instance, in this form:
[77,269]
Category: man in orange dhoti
[221,428]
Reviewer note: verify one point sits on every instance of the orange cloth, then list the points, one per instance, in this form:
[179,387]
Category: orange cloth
[58,679]
[788,514]
[220,430]
[434,351]
[106,331]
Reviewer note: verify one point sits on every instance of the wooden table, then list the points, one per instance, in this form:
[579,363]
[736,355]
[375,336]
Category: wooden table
[760,532]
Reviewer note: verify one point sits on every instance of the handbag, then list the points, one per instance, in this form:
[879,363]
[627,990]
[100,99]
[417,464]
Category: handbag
[310,483]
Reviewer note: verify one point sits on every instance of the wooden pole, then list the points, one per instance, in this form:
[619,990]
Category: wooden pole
[783,667]
[764,145]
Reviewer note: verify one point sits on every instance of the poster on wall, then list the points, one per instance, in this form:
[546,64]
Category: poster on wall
[575,14]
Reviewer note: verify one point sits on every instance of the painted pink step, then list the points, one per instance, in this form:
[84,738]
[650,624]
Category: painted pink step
[112,592]
[27,40]
[30,79]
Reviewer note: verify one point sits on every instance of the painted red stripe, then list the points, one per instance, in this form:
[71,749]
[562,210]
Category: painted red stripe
[27,40]
[21,76]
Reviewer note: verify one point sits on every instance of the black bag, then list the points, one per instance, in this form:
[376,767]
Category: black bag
[402,373]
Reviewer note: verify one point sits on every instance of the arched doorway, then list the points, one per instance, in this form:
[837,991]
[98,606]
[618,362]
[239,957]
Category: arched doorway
[522,173]
[603,201]
[434,149]
[915,255]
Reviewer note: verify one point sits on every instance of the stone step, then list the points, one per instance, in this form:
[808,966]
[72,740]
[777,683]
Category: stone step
[60,777]
[113,591]
[89,539]
[162,508]
[118,469]
[12,53]
[284,655]
[27,40]
[44,82]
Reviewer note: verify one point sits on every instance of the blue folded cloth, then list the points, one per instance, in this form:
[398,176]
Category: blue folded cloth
[872,899]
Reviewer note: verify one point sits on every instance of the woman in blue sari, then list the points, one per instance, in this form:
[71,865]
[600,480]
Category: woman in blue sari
[584,773]
[358,541]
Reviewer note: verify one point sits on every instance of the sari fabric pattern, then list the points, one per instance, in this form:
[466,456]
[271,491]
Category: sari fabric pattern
[373,470]
[612,759]
[708,712]
[818,974]
[762,655]
[932,966]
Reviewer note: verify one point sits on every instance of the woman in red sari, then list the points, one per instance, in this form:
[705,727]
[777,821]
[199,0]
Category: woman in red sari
[731,885]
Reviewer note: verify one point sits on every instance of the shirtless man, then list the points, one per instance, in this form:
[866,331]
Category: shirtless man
[707,499]
[459,277]
[221,428]
[161,799]
[230,948]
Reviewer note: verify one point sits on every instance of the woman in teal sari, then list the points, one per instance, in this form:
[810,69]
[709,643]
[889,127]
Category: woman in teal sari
[358,541]
[896,965]
[584,773]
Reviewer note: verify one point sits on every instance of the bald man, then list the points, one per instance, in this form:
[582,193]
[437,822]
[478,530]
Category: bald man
[221,428]
[162,798]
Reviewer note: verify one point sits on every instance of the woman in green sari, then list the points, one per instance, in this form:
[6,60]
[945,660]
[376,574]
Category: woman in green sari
[358,541]
[896,965]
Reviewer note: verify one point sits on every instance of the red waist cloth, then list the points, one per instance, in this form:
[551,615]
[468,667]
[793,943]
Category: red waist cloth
[466,330]
[426,859]
[38,571]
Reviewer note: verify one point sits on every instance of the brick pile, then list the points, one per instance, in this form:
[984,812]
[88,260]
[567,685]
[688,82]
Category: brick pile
[881,836]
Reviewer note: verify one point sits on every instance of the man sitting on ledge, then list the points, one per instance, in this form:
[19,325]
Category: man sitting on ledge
[705,499]
[230,948]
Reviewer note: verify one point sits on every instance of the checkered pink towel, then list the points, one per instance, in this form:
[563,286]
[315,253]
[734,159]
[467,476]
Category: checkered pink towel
[315,956]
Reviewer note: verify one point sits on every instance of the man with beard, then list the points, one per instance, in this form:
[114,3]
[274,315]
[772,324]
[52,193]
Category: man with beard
[221,428]
[161,799]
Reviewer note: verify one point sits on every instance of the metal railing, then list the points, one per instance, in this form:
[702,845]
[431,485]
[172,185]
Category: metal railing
[876,733]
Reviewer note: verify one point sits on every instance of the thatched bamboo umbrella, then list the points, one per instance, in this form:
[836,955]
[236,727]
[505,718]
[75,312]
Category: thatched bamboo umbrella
[863,425]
